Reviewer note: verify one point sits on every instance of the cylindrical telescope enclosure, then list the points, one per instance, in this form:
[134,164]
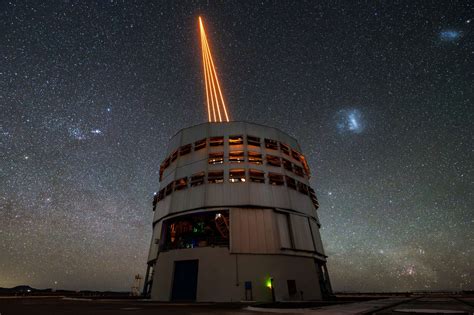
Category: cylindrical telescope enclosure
[235,209]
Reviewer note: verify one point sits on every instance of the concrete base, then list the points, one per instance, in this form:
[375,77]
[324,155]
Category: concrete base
[222,275]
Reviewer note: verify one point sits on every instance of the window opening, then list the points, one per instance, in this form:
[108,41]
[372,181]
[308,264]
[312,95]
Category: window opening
[236,157]
[216,141]
[166,163]
[236,140]
[254,141]
[254,157]
[275,179]
[237,175]
[302,188]
[298,170]
[284,148]
[200,229]
[290,182]
[169,188]
[257,176]
[273,160]
[215,177]
[185,149]
[287,165]
[174,156]
[295,155]
[181,183]
[197,179]
[216,158]
[161,194]
[271,144]
[312,195]
[200,144]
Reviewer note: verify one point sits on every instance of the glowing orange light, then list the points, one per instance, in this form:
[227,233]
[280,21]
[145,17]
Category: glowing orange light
[216,108]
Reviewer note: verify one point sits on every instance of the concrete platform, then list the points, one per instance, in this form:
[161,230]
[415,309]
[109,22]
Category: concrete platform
[75,306]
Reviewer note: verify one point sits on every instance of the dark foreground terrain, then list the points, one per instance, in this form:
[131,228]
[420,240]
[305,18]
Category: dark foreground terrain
[63,305]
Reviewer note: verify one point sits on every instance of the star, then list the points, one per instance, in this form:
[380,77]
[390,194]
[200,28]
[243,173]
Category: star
[76,133]
[96,131]
[92,91]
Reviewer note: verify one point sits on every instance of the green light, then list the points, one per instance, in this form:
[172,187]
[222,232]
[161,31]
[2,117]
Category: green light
[268,282]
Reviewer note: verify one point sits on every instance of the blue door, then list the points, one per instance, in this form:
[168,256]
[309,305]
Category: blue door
[185,280]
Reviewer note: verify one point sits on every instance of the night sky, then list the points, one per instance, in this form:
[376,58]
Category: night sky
[379,96]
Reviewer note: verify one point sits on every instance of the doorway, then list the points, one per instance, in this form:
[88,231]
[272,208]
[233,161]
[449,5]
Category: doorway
[185,280]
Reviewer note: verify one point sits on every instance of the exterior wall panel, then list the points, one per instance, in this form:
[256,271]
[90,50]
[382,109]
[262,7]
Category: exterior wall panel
[253,231]
[302,233]
[317,237]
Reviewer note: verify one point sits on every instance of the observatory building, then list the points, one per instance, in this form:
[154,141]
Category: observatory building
[235,217]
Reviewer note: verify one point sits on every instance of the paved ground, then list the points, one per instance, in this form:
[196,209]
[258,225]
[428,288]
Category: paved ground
[447,305]
[59,306]
[400,306]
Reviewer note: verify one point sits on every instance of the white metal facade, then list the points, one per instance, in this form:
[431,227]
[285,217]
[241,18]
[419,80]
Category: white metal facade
[273,227]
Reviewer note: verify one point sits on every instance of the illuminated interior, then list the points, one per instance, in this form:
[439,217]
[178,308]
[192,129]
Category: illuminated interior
[210,228]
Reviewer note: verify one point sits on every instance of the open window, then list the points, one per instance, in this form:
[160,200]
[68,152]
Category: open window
[166,163]
[290,182]
[237,175]
[160,195]
[236,140]
[287,165]
[185,149]
[215,177]
[254,157]
[216,158]
[200,144]
[256,176]
[296,155]
[155,200]
[276,179]
[201,229]
[273,160]
[236,157]
[284,148]
[302,188]
[271,144]
[197,179]
[312,195]
[298,170]
[181,183]
[174,156]
[305,165]
[253,141]
[162,170]
[169,188]
[216,141]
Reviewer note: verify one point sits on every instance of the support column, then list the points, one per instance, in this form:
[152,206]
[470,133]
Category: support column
[328,281]
[146,282]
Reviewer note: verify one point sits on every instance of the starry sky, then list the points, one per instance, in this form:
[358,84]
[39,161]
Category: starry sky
[379,96]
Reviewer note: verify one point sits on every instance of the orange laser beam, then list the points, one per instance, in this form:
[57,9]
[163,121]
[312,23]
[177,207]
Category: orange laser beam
[214,96]
[213,82]
[205,76]
[214,102]
[217,80]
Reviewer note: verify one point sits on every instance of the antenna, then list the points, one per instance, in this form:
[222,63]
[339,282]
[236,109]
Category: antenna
[216,108]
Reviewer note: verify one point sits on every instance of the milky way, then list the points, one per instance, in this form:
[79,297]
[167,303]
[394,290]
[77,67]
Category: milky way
[378,96]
